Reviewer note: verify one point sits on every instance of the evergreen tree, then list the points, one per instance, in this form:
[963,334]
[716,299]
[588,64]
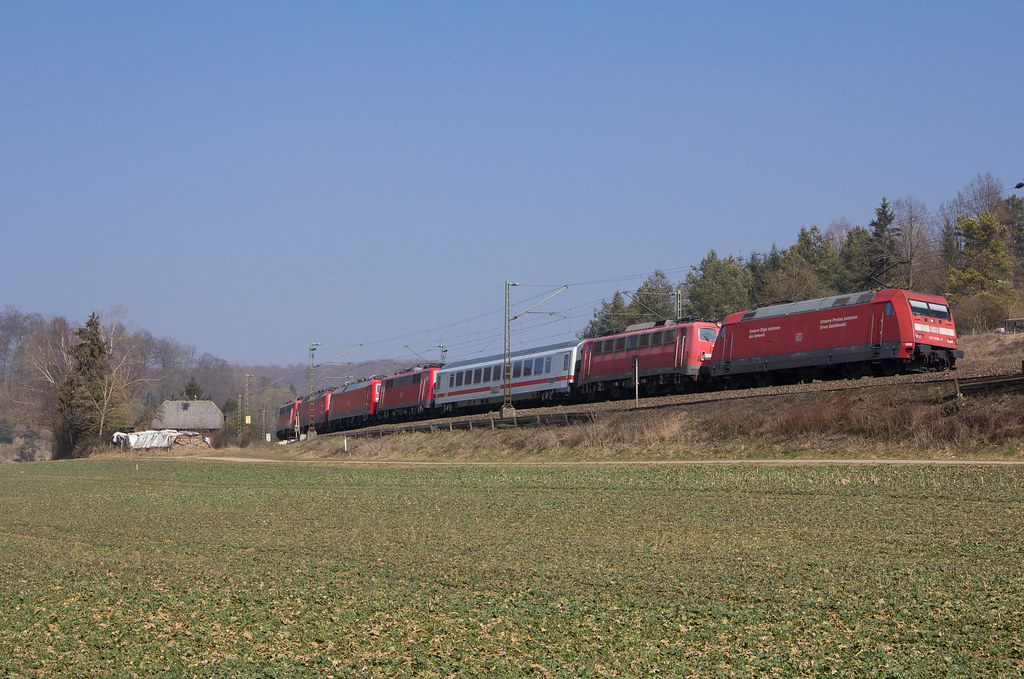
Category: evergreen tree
[762,269]
[884,236]
[981,289]
[192,391]
[1015,224]
[609,319]
[92,400]
[854,265]
[718,286]
[987,258]
[654,300]
[812,247]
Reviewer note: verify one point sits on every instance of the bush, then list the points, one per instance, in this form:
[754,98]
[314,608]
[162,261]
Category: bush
[983,311]
[6,432]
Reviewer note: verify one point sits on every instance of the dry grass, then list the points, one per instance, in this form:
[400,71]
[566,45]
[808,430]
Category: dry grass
[992,353]
[912,421]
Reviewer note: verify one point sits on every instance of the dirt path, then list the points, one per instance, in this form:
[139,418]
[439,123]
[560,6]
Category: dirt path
[606,463]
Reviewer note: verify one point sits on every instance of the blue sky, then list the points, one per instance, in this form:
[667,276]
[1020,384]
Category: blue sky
[341,172]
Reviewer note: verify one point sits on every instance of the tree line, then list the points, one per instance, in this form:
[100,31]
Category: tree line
[971,250]
[84,383]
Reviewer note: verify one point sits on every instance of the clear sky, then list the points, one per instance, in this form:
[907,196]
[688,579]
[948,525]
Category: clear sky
[248,177]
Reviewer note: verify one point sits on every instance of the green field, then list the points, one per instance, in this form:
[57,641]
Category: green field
[118,568]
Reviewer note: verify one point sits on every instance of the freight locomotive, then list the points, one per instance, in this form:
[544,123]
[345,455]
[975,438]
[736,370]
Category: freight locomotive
[841,337]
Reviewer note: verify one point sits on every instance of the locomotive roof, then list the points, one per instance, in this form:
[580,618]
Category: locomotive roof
[361,384]
[515,354]
[810,305]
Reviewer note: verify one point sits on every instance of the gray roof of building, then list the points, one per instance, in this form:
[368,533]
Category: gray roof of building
[193,415]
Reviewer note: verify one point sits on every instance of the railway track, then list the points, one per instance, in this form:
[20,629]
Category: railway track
[526,419]
[996,384]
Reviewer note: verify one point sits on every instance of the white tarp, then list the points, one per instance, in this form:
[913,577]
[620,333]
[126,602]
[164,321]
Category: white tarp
[140,440]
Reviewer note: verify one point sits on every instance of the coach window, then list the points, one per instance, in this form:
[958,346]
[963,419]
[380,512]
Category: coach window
[458,379]
[547,365]
[476,375]
[670,337]
[527,368]
[469,377]
[517,369]
[656,339]
[487,374]
[645,340]
[631,342]
[565,362]
[607,347]
[538,366]
[451,381]
[499,373]
[620,344]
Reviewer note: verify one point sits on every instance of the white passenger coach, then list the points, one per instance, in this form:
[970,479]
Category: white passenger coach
[542,373]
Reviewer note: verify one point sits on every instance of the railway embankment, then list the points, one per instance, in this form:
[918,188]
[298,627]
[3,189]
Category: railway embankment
[905,417]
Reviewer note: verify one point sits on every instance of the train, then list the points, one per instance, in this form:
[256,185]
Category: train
[873,333]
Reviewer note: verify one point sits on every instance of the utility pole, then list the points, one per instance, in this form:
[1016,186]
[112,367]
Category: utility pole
[507,406]
[247,417]
[506,378]
[312,349]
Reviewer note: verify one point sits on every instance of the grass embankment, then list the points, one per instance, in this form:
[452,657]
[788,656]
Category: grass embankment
[903,421]
[119,568]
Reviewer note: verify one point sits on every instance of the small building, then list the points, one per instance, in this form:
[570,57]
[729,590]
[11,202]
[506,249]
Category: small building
[1012,325]
[198,416]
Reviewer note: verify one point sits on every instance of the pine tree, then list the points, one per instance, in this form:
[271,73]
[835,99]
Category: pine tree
[884,236]
[982,288]
[192,391]
[718,286]
[93,399]
[609,319]
[1015,222]
[988,263]
[654,300]
[855,262]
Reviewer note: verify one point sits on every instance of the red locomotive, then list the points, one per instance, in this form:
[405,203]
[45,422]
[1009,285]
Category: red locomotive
[879,333]
[666,357]
[407,396]
[353,405]
[287,417]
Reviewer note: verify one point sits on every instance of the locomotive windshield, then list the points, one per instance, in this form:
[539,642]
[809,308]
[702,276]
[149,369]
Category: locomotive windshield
[930,309]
